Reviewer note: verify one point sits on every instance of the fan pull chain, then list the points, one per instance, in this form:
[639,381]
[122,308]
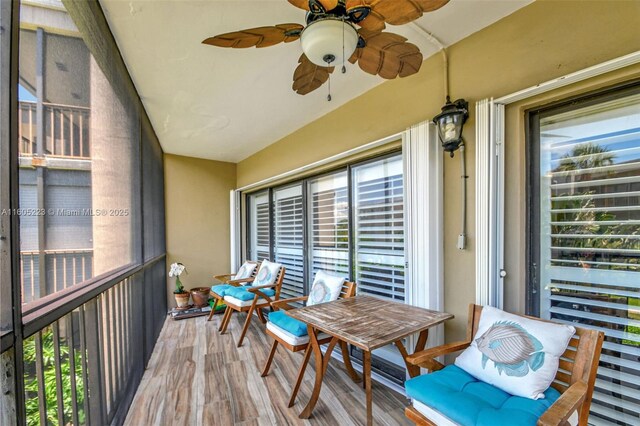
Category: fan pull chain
[344,69]
[329,95]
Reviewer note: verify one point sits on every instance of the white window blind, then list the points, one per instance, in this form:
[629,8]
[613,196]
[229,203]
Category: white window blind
[288,238]
[590,240]
[259,226]
[329,224]
[379,228]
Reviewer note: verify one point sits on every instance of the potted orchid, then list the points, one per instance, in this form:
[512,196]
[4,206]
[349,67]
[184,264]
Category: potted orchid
[182,297]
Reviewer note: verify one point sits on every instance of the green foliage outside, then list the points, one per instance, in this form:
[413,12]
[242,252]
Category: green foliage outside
[591,233]
[589,156]
[586,156]
[50,390]
[634,304]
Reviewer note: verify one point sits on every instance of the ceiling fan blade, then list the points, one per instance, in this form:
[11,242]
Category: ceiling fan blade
[388,55]
[258,37]
[308,76]
[399,12]
[373,21]
[304,4]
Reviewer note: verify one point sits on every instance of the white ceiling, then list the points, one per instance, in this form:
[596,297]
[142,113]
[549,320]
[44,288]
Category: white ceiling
[226,104]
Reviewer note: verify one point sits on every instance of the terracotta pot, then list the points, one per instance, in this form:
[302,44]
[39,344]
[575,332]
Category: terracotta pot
[200,296]
[182,299]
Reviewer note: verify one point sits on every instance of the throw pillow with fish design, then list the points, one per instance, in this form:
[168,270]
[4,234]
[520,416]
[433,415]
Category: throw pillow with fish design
[511,349]
[516,354]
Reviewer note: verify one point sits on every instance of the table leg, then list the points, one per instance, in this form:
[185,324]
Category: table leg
[367,384]
[422,341]
[413,370]
[347,362]
[321,366]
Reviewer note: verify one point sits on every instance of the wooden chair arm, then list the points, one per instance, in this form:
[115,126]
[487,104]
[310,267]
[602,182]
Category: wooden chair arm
[241,281]
[425,358]
[561,410]
[226,279]
[223,278]
[254,289]
[285,304]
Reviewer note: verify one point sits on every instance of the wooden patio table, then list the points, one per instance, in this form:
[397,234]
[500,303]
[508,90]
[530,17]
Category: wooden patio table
[368,323]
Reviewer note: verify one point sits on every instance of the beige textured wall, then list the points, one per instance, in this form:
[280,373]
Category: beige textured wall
[197,221]
[544,40]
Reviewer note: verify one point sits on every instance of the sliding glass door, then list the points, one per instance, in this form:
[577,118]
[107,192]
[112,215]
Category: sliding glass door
[289,238]
[585,265]
[328,212]
[259,223]
[348,222]
[378,206]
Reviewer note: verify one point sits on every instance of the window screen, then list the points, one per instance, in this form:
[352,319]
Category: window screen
[79,158]
[6,291]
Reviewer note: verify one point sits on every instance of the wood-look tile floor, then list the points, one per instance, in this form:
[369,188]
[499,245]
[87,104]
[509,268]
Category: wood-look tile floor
[198,377]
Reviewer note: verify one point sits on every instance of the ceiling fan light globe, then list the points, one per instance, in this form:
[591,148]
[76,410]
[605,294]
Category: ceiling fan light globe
[324,39]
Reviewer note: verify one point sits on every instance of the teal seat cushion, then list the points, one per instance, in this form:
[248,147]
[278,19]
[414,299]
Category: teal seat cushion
[242,293]
[221,290]
[465,400]
[285,322]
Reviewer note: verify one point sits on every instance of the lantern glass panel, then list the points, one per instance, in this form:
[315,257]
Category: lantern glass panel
[450,127]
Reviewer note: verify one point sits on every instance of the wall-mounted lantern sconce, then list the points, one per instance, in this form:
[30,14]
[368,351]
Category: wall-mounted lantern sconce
[450,122]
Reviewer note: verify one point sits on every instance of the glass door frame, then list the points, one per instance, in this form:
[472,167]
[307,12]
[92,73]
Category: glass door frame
[304,181]
[532,137]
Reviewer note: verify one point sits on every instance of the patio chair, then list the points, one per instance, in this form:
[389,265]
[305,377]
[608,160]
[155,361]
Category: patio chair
[245,275]
[565,402]
[293,335]
[264,290]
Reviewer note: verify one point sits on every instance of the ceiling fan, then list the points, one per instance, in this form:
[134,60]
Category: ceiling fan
[339,30]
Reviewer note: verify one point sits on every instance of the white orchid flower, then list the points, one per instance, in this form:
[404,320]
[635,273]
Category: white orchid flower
[176,269]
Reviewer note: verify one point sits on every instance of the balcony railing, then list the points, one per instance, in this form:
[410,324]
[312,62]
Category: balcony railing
[63,269]
[84,367]
[65,130]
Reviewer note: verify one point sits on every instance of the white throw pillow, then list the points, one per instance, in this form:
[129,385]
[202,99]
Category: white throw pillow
[245,271]
[267,273]
[516,354]
[325,288]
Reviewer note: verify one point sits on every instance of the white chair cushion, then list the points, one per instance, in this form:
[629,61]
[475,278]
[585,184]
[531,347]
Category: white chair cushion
[245,271]
[267,273]
[515,354]
[435,416]
[325,288]
[230,300]
[291,338]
